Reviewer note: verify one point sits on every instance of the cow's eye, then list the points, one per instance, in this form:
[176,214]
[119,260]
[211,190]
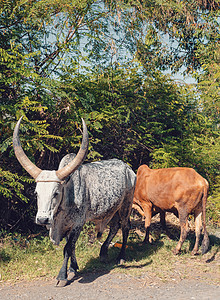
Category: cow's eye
[55,194]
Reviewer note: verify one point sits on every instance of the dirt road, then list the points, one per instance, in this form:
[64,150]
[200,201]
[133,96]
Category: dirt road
[112,286]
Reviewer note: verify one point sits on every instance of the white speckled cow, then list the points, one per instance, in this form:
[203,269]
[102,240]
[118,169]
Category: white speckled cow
[101,192]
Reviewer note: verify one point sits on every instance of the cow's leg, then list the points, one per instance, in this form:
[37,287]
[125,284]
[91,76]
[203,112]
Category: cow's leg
[62,276]
[198,228]
[183,217]
[163,220]
[73,263]
[69,251]
[164,225]
[125,232]
[147,208]
[114,227]
[124,213]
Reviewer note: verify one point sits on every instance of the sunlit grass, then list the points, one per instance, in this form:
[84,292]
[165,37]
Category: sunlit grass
[26,258]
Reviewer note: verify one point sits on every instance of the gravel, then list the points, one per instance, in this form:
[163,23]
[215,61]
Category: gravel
[111,286]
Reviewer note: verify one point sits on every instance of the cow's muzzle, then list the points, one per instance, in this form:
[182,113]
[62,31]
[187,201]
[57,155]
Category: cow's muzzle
[42,221]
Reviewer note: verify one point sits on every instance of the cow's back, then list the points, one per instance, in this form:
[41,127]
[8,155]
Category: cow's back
[99,186]
[106,183]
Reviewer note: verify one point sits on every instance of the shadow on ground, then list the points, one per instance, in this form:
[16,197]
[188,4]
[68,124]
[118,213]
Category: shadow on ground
[137,251]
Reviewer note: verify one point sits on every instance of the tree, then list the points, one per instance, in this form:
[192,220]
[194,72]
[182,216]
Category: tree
[103,61]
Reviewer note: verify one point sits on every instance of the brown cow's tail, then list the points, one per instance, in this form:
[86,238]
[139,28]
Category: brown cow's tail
[205,242]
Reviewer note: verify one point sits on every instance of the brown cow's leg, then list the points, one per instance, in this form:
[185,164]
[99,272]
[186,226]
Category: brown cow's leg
[164,225]
[147,208]
[146,239]
[198,228]
[163,220]
[184,230]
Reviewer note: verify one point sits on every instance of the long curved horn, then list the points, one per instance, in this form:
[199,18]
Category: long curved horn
[33,170]
[80,157]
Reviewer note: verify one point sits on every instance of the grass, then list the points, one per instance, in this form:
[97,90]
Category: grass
[30,257]
[27,257]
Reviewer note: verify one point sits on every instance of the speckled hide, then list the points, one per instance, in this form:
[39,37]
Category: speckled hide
[101,192]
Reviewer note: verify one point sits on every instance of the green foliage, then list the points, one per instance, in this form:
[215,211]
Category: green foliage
[208,85]
[103,61]
[213,204]
[188,28]
[10,187]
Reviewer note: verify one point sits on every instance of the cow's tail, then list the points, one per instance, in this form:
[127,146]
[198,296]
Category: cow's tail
[205,242]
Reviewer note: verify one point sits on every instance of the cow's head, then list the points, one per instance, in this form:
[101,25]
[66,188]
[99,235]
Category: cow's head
[48,183]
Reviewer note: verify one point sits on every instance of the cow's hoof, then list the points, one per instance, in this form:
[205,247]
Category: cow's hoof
[71,275]
[176,252]
[195,252]
[61,283]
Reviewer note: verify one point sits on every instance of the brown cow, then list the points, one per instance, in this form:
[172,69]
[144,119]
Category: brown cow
[181,191]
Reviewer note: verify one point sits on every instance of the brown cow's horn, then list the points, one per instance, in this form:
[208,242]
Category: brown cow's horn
[33,170]
[78,160]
